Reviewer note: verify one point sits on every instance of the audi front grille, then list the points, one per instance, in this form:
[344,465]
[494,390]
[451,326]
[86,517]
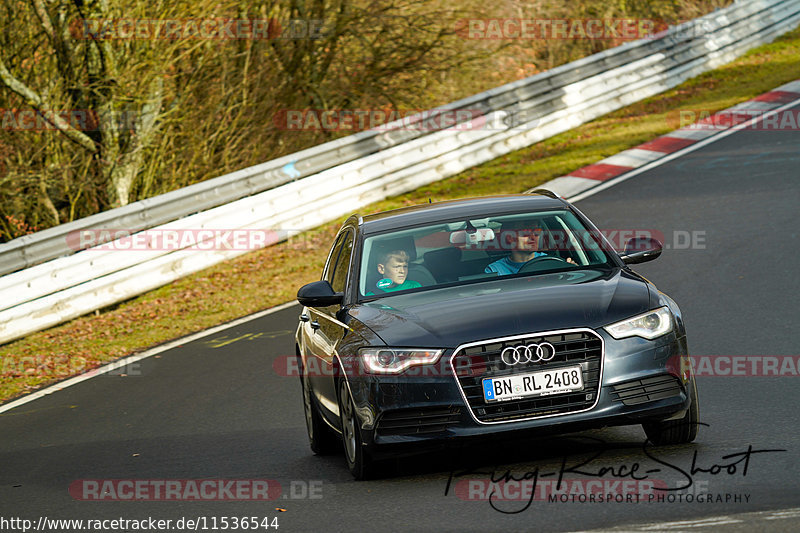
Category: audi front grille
[472,363]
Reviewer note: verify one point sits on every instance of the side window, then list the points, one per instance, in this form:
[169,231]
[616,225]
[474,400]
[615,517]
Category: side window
[343,263]
[327,275]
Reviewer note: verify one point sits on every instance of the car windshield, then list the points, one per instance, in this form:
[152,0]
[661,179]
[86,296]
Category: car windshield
[475,250]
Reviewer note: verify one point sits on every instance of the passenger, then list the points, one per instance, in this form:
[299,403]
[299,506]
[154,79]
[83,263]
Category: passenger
[525,247]
[393,266]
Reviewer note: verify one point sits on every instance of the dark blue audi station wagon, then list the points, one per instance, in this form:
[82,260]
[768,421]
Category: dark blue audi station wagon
[486,316]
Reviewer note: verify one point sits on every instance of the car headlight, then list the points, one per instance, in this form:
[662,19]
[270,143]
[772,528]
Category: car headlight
[396,360]
[649,325]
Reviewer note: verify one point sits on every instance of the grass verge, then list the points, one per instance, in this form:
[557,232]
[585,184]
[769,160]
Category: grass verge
[268,277]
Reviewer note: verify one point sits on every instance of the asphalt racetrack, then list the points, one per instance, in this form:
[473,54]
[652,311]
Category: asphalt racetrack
[217,409]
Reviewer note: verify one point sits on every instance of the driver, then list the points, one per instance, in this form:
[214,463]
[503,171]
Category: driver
[525,246]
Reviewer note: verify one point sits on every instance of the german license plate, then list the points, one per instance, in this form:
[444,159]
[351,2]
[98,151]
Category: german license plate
[545,383]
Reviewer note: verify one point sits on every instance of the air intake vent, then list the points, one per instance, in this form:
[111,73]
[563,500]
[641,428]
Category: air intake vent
[418,421]
[646,390]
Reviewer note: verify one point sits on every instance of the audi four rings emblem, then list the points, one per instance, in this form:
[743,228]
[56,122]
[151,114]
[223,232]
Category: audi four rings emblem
[528,353]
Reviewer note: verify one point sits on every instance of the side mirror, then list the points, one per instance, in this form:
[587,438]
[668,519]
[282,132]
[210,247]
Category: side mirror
[641,250]
[319,294]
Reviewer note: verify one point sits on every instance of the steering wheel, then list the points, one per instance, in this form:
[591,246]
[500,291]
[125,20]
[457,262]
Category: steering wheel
[529,266]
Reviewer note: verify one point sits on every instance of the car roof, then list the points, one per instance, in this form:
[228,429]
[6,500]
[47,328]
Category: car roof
[453,209]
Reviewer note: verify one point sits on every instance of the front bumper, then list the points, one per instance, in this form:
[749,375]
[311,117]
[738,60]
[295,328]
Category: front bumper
[641,380]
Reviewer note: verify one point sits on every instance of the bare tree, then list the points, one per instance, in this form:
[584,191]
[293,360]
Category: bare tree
[84,78]
[160,114]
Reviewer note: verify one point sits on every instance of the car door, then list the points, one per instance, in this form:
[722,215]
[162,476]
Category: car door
[327,330]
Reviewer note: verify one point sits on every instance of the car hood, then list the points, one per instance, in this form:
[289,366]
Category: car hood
[450,316]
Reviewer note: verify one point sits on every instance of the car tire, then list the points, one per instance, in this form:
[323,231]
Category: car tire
[322,439]
[676,431]
[358,459]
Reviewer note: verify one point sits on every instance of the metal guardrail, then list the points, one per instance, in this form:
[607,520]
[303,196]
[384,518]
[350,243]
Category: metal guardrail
[306,189]
[539,92]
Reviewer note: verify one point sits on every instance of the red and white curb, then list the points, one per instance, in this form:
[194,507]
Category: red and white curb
[728,120]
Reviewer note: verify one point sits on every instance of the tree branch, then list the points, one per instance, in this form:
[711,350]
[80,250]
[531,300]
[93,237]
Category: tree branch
[44,18]
[37,103]
[60,41]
